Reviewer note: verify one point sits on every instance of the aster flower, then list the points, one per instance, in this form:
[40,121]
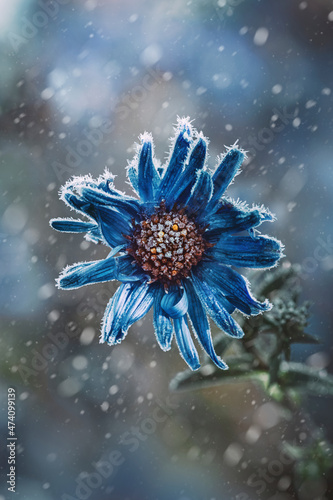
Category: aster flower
[173,247]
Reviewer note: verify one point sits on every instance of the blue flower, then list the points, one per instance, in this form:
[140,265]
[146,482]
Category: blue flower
[173,247]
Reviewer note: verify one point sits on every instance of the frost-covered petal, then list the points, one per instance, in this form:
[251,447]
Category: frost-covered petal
[232,285]
[162,323]
[128,270]
[244,251]
[148,178]
[87,273]
[213,301]
[201,192]
[185,343]
[233,217]
[72,225]
[129,304]
[175,303]
[75,202]
[177,158]
[200,324]
[114,225]
[125,204]
[224,175]
[94,235]
[132,174]
[181,190]
[106,181]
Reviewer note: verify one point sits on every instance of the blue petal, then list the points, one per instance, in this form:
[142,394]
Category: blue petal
[148,178]
[105,182]
[234,218]
[73,201]
[127,205]
[175,303]
[117,249]
[132,174]
[201,192]
[162,323]
[94,235]
[214,302]
[72,225]
[177,159]
[181,190]
[232,285]
[128,270]
[200,324]
[244,251]
[197,157]
[87,273]
[224,174]
[114,225]
[185,343]
[129,304]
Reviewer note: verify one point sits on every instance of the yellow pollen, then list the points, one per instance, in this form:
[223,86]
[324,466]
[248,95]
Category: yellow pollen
[175,227]
[153,250]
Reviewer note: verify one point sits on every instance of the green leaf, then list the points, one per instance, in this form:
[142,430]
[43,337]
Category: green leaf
[304,338]
[274,369]
[240,368]
[276,280]
[302,377]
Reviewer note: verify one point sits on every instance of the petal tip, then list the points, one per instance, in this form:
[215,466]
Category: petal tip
[146,138]
[184,127]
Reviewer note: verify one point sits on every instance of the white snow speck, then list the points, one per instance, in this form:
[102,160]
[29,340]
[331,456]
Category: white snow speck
[46,291]
[252,434]
[276,89]
[113,389]
[105,406]
[47,93]
[133,18]
[167,76]
[23,396]
[296,122]
[80,362]
[309,104]
[90,5]
[233,454]
[53,315]
[260,37]
[319,360]
[268,415]
[87,336]
[15,218]
[151,54]
[201,90]
[69,387]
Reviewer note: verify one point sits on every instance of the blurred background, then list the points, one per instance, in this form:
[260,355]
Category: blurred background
[80,80]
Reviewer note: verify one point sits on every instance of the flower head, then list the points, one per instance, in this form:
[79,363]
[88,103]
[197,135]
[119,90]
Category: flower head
[172,246]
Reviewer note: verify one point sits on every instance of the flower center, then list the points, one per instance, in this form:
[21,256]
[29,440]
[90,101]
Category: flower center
[167,245]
